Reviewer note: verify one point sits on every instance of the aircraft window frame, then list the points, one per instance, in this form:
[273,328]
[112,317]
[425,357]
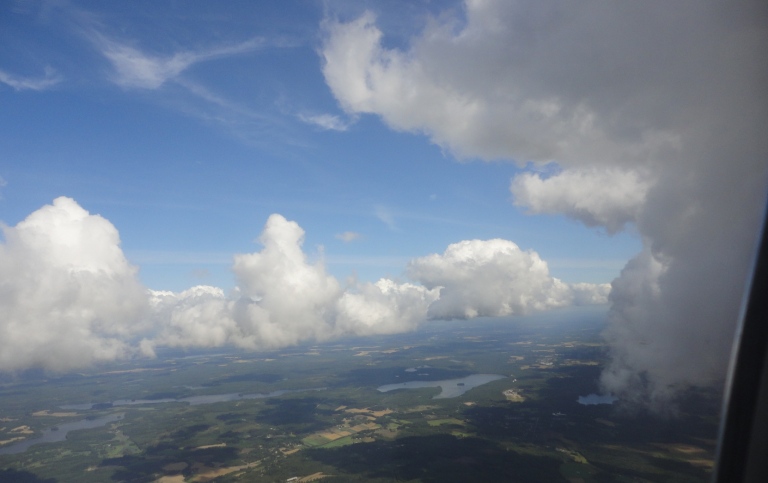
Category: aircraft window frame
[742,454]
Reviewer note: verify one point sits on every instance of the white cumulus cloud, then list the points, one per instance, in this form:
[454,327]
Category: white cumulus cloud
[656,113]
[69,297]
[495,278]
[283,300]
[484,86]
[596,197]
[385,307]
[201,316]
[67,294]
[292,299]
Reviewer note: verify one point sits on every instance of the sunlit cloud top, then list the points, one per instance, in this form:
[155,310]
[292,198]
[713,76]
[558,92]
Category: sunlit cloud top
[466,159]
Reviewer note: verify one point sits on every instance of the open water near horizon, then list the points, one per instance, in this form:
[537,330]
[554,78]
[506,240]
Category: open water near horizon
[449,387]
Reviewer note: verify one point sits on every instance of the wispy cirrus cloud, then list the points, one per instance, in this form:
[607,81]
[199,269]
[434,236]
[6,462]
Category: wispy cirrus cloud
[327,122]
[224,105]
[385,215]
[134,68]
[137,69]
[348,236]
[19,83]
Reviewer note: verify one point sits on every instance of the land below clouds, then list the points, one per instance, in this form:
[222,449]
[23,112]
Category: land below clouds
[350,430]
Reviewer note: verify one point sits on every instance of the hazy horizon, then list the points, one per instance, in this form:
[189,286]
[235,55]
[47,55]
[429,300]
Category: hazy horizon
[260,176]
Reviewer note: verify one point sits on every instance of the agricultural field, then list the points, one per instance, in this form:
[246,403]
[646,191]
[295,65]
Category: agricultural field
[316,413]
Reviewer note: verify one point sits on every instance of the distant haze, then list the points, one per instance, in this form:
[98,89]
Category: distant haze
[639,119]
[655,114]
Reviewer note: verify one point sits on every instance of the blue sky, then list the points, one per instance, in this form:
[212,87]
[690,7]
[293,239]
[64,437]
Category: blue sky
[438,160]
[189,179]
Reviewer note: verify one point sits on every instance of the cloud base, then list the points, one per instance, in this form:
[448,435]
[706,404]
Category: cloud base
[73,299]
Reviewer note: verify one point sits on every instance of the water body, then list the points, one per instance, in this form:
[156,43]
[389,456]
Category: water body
[449,387]
[597,399]
[51,435]
[192,400]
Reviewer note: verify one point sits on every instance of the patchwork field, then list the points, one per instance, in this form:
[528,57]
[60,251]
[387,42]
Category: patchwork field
[314,413]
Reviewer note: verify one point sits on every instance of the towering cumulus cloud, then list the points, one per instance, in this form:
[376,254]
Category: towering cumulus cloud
[291,298]
[655,114]
[283,300]
[68,296]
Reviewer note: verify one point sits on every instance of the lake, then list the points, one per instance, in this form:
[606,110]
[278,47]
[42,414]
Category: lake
[449,387]
[51,435]
[597,399]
